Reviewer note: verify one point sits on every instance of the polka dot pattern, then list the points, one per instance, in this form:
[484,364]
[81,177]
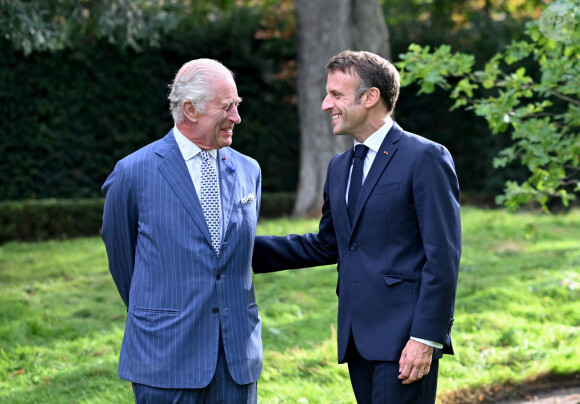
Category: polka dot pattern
[210,198]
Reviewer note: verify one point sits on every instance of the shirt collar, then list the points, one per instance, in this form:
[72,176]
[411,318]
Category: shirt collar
[375,140]
[189,149]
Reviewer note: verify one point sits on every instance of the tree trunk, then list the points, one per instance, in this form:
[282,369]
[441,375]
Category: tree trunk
[325,28]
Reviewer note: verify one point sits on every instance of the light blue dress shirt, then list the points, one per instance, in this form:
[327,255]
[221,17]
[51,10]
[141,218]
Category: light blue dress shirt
[190,152]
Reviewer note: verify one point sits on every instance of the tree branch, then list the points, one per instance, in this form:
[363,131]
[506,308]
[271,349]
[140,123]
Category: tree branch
[565,97]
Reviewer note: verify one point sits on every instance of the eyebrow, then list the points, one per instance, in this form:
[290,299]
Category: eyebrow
[236,101]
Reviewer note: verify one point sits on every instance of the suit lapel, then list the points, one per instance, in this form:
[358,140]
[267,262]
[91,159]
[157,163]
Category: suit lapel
[228,178]
[175,172]
[384,155]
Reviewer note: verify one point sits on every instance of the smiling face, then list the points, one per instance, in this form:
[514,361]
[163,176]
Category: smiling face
[215,126]
[349,114]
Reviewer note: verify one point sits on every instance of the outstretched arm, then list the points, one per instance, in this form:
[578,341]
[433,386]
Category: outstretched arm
[273,253]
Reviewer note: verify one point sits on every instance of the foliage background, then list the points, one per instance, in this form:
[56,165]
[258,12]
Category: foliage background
[69,115]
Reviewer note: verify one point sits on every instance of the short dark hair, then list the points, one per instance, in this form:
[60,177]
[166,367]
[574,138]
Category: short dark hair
[373,70]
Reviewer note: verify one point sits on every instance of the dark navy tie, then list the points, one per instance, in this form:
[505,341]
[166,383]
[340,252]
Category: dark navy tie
[356,177]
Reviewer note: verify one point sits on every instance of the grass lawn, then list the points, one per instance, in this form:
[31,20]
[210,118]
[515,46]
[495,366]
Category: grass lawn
[517,316]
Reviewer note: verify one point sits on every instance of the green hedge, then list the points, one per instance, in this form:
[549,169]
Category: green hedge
[276,204]
[47,219]
[35,220]
[69,116]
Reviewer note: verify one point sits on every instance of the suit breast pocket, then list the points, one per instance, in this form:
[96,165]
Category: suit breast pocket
[242,224]
[385,188]
[248,211]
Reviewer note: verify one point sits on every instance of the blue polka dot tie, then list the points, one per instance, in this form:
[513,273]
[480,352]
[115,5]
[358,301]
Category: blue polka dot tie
[210,198]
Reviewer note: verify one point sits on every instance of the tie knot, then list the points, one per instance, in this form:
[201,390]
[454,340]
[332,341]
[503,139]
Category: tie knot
[204,155]
[360,151]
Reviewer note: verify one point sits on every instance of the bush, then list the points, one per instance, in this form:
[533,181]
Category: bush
[35,220]
[276,204]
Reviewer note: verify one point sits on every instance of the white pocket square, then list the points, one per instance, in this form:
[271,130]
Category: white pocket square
[247,198]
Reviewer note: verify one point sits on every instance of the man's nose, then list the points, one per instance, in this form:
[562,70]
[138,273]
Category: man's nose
[235,115]
[326,104]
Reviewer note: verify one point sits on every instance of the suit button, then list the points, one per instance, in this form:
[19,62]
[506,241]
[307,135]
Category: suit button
[353,247]
[215,310]
[218,277]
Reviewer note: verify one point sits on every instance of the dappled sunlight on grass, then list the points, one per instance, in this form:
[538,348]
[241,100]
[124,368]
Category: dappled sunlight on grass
[517,316]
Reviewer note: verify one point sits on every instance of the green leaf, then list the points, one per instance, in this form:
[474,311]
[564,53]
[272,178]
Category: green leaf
[517,51]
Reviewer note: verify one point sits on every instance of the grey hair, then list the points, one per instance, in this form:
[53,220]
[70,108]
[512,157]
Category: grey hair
[192,82]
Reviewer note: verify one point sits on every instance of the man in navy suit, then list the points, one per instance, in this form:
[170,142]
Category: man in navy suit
[179,225]
[390,218]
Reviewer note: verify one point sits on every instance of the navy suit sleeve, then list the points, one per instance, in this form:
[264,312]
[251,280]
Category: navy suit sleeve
[436,198]
[120,229]
[273,253]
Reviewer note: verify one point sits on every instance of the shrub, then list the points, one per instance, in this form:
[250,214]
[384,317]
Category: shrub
[35,220]
[276,204]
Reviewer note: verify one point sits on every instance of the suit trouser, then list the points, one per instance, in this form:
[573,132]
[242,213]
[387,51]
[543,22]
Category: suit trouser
[221,389]
[376,382]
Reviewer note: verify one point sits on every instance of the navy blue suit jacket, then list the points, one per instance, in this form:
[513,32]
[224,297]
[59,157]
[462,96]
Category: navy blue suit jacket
[398,262]
[176,288]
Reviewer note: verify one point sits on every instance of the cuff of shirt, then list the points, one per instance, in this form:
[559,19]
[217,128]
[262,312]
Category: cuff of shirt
[427,342]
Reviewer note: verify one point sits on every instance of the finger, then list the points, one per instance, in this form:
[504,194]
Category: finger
[404,371]
[404,366]
[410,379]
[413,376]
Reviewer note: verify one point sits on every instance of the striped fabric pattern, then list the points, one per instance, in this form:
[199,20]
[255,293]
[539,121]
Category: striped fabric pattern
[177,289]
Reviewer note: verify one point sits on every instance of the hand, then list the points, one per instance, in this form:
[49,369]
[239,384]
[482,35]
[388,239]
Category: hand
[415,361]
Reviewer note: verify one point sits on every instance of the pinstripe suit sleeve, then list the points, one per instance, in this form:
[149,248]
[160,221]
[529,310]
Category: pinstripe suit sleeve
[259,193]
[119,232]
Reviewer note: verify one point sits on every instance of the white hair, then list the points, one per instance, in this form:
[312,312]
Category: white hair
[192,82]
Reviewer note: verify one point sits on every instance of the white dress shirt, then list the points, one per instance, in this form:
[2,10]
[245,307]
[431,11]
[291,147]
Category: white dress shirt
[373,142]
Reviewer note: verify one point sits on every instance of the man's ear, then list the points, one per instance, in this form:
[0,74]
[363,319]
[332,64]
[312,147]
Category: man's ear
[189,111]
[373,95]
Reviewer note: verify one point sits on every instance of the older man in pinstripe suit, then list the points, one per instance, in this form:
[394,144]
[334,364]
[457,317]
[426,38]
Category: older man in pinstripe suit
[179,226]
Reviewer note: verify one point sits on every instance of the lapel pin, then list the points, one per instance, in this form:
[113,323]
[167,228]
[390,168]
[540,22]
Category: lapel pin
[386,152]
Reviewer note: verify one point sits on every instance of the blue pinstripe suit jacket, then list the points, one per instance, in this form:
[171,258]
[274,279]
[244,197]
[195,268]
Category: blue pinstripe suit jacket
[176,289]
